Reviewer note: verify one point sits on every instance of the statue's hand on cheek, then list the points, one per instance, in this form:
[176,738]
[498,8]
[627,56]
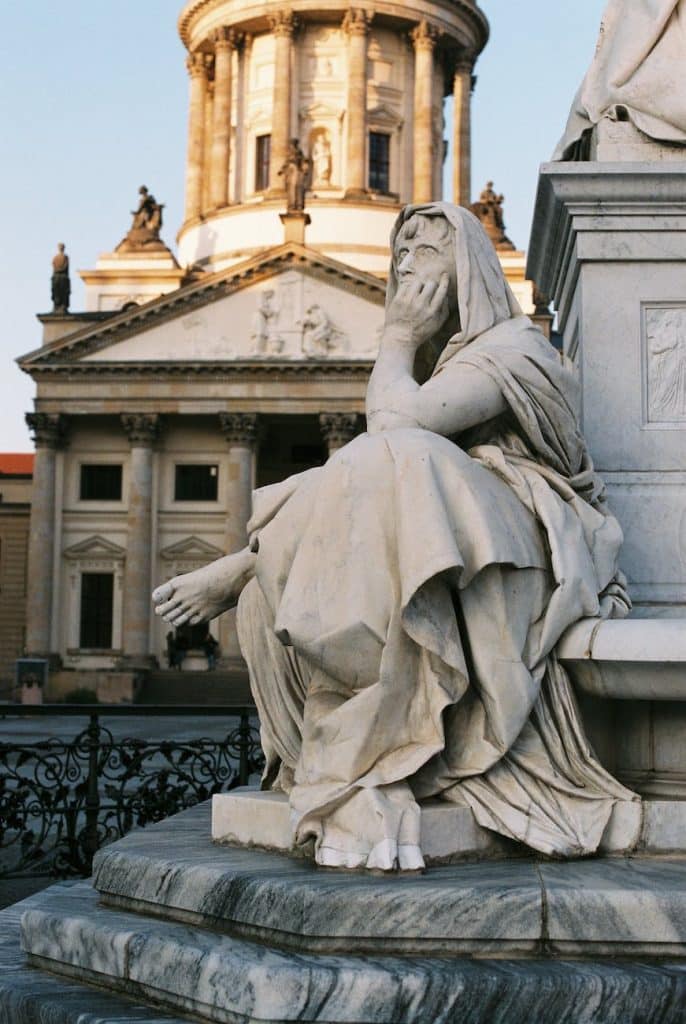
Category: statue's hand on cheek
[418,311]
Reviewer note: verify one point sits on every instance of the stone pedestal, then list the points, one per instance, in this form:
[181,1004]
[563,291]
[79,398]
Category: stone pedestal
[609,246]
[228,934]
[294,224]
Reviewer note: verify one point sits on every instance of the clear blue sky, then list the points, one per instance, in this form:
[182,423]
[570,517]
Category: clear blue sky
[95,104]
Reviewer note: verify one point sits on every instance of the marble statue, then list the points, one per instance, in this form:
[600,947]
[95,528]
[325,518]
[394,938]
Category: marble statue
[638,74]
[60,285]
[399,607]
[264,332]
[295,173]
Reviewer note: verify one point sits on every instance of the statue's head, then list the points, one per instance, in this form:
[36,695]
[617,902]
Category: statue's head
[143,190]
[60,246]
[423,249]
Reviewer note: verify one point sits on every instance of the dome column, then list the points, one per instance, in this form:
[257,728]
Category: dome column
[462,131]
[197,70]
[424,39]
[356,25]
[224,45]
[283,25]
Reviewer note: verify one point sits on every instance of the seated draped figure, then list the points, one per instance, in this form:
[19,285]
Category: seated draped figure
[399,607]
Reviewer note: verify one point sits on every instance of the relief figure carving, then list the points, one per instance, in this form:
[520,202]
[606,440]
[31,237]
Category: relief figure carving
[666,337]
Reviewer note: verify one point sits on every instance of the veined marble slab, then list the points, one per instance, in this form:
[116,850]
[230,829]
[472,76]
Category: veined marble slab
[228,980]
[635,905]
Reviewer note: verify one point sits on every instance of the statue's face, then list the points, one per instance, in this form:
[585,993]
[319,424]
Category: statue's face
[424,250]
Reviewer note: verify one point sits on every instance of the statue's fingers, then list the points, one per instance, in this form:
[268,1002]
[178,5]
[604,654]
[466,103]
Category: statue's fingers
[440,293]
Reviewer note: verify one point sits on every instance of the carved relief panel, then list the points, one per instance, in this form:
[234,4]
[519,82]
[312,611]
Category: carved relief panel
[664,363]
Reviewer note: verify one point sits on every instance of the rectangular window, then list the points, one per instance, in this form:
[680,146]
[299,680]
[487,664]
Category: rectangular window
[195,483]
[97,589]
[379,161]
[263,145]
[100,482]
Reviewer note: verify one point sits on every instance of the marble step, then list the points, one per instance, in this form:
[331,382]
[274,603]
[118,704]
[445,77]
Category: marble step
[525,907]
[224,979]
[28,996]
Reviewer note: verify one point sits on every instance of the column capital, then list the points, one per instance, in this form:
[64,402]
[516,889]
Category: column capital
[356,21]
[239,427]
[224,38]
[196,64]
[338,427]
[141,428]
[424,35]
[464,63]
[282,23]
[48,429]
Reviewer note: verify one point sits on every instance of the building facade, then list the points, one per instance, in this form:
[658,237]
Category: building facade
[190,379]
[16,470]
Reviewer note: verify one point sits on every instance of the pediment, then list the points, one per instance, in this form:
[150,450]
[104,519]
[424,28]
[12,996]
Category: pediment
[95,548]
[291,304]
[384,116]
[191,548]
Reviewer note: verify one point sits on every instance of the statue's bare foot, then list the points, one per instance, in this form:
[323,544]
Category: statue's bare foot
[205,593]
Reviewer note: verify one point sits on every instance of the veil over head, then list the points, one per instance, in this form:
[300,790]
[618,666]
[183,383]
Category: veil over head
[484,297]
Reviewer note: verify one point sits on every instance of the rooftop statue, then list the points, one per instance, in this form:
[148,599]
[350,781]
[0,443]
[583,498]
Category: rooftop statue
[60,285]
[147,223]
[638,74]
[489,210]
[399,607]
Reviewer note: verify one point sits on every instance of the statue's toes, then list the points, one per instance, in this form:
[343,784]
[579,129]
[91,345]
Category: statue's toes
[162,593]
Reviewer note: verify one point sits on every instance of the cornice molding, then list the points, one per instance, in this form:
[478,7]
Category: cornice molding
[226,370]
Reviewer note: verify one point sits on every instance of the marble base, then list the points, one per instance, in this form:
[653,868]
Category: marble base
[177,917]
[449,833]
[228,980]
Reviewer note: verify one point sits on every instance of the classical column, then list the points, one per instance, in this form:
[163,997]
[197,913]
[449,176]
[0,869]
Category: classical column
[282,24]
[224,45]
[240,431]
[207,137]
[197,69]
[48,432]
[462,131]
[424,38]
[142,430]
[337,429]
[356,25]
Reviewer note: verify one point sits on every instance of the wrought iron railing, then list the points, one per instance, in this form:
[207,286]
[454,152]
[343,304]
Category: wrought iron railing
[62,799]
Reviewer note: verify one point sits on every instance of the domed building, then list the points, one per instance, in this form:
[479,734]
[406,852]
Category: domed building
[244,357]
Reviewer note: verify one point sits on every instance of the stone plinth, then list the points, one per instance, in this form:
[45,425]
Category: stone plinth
[178,915]
[609,246]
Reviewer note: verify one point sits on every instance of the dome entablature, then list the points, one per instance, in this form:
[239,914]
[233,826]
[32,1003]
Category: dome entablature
[460,23]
